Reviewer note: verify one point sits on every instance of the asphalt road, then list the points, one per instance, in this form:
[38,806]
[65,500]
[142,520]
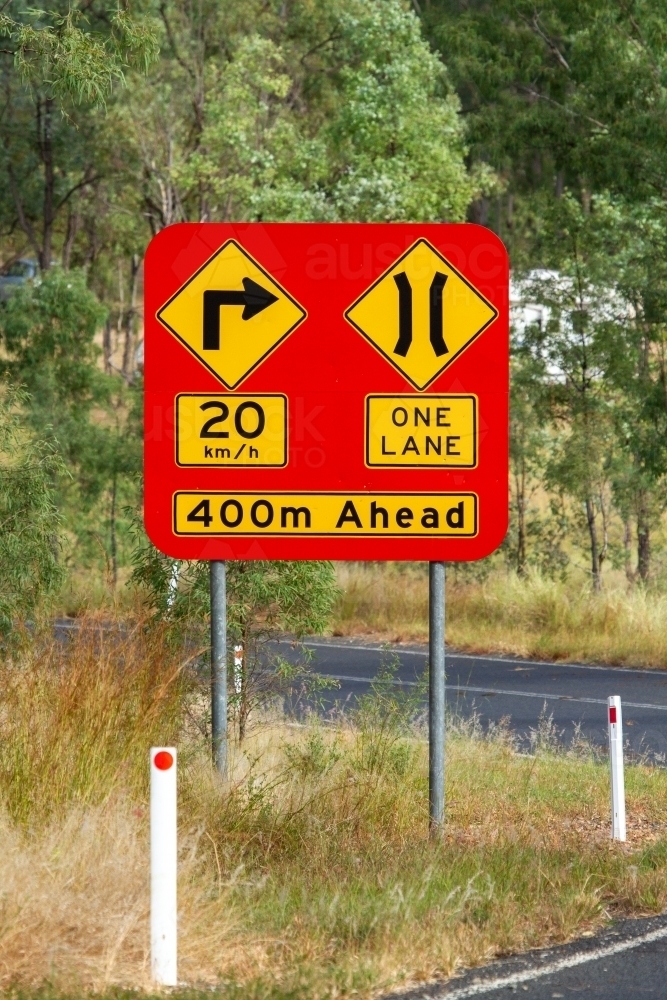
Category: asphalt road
[625,962]
[519,690]
[499,688]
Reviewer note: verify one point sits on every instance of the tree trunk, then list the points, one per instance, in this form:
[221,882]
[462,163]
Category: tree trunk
[113,545]
[643,539]
[627,543]
[107,349]
[592,530]
[479,211]
[520,490]
[70,236]
[128,349]
[45,140]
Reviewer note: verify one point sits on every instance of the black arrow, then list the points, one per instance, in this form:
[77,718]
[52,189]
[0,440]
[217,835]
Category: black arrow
[253,298]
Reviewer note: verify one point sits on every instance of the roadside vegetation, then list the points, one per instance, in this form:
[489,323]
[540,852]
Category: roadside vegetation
[311,874]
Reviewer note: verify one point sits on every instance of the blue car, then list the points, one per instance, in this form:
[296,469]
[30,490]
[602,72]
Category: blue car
[15,275]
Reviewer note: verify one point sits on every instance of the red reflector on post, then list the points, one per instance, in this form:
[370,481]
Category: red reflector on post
[612,718]
[163,760]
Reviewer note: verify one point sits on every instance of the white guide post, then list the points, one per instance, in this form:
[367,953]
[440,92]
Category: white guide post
[616,762]
[238,668]
[163,865]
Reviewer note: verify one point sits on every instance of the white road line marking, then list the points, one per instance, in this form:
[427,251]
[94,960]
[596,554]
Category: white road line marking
[490,659]
[502,691]
[570,962]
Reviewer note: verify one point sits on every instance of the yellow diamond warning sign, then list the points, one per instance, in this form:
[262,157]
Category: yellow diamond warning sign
[231,314]
[421,314]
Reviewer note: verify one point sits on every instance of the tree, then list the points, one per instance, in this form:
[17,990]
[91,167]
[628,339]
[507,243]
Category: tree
[572,348]
[572,97]
[529,441]
[635,365]
[265,600]
[47,330]
[562,95]
[86,417]
[328,111]
[30,570]
[321,111]
[109,474]
[57,69]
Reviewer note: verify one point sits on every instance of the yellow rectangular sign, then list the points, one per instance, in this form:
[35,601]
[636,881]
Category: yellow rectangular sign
[231,430]
[423,431]
[434,515]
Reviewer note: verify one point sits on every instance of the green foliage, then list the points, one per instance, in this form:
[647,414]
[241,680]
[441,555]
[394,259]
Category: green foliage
[59,49]
[264,601]
[47,330]
[529,448]
[86,417]
[337,113]
[30,569]
[568,354]
[262,597]
[385,719]
[546,125]
[591,376]
[566,89]
[314,756]
[397,140]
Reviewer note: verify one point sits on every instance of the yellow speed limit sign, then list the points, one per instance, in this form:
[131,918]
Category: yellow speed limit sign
[231,430]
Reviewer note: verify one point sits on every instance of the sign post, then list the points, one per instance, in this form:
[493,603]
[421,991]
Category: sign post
[218,572]
[327,391]
[436,696]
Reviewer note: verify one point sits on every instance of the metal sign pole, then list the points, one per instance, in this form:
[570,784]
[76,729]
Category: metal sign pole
[436,696]
[219,664]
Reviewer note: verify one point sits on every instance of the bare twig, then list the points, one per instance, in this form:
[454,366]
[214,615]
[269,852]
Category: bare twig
[534,26]
[569,111]
[172,41]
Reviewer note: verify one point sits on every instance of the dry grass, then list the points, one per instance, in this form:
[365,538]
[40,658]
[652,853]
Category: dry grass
[387,599]
[75,715]
[311,874]
[531,617]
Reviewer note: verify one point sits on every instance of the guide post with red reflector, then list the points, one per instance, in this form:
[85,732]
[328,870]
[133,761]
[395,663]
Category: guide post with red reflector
[616,763]
[238,668]
[163,865]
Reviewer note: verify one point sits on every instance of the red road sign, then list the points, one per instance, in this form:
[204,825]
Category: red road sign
[333,391]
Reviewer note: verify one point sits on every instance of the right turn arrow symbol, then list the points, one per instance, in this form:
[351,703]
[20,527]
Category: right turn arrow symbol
[253,298]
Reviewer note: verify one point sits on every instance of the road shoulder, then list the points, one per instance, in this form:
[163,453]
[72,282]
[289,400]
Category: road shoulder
[513,972]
